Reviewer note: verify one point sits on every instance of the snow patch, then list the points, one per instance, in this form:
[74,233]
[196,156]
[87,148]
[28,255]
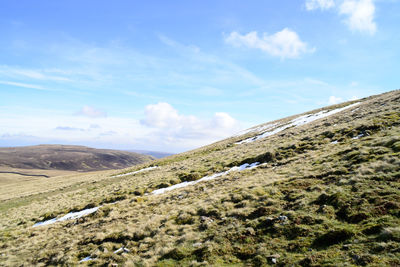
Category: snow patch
[335,142]
[245,166]
[69,216]
[358,136]
[266,134]
[122,249]
[299,121]
[256,129]
[131,173]
[88,258]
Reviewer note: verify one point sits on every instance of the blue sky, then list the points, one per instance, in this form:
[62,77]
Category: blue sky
[175,75]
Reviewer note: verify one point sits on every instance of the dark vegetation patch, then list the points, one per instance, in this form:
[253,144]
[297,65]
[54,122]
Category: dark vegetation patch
[261,158]
[332,237]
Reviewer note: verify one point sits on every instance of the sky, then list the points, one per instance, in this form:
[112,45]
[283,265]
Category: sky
[175,75]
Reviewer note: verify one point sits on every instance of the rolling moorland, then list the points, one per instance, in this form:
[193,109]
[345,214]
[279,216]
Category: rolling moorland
[319,188]
[23,170]
[68,158]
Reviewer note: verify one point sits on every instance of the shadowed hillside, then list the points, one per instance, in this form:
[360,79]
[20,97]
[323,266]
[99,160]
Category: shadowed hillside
[70,158]
[316,189]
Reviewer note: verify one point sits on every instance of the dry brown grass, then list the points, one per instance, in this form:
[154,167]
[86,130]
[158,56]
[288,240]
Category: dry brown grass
[14,181]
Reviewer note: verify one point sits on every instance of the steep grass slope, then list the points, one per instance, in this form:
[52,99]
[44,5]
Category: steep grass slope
[66,157]
[323,189]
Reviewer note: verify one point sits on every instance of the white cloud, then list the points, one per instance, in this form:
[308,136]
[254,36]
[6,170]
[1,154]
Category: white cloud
[67,128]
[283,44]
[321,4]
[91,112]
[360,15]
[223,120]
[171,127]
[334,100]
[163,128]
[161,115]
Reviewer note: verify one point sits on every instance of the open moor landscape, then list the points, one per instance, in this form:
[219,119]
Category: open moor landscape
[319,188]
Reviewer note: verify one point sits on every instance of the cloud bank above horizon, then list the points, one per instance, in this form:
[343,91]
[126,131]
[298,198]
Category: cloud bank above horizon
[161,129]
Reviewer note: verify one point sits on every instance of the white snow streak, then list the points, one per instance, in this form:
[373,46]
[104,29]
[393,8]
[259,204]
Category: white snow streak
[302,120]
[266,134]
[245,166]
[256,129]
[121,249]
[130,173]
[88,258]
[358,136]
[69,216]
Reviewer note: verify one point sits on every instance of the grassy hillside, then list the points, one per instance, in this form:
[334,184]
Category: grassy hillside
[65,157]
[326,192]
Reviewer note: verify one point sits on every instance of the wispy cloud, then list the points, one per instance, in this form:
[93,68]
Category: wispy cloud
[184,48]
[24,85]
[319,4]
[283,44]
[210,91]
[91,112]
[82,68]
[67,128]
[317,82]
[217,68]
[43,75]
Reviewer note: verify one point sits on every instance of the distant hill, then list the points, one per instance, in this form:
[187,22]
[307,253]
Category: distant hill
[66,157]
[155,154]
